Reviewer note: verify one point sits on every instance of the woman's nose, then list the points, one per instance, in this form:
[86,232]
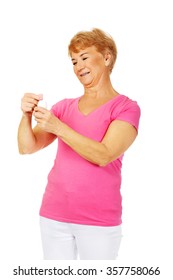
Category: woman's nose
[80,65]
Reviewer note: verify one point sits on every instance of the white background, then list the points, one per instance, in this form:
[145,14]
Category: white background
[34,37]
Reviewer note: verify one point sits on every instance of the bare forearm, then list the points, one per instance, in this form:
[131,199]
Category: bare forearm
[26,138]
[99,153]
[89,149]
[118,138]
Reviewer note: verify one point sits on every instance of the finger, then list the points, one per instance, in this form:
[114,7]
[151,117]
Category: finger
[27,107]
[40,109]
[38,115]
[30,100]
[37,97]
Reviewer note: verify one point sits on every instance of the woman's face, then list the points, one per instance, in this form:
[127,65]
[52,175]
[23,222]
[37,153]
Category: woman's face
[89,66]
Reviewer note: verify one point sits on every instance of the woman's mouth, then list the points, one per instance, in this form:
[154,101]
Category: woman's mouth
[84,74]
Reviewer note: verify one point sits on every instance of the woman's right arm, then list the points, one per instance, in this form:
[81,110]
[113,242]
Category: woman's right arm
[31,140]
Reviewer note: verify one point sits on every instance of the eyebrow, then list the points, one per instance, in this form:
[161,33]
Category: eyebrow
[80,55]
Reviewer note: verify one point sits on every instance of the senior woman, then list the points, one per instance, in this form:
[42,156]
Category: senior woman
[80,215]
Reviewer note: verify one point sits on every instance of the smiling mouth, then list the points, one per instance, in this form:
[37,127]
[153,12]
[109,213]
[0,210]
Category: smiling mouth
[84,74]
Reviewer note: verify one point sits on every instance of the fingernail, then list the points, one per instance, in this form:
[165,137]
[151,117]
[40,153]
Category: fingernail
[40,96]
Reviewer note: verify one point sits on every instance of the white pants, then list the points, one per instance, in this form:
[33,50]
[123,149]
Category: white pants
[66,241]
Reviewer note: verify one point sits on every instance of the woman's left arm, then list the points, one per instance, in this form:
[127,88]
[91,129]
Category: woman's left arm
[118,138]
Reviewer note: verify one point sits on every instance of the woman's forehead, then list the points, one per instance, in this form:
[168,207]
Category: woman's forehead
[84,51]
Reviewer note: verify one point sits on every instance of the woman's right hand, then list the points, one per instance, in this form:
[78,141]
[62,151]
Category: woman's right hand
[29,101]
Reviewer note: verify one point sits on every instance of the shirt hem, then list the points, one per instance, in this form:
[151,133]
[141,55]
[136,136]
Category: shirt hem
[89,223]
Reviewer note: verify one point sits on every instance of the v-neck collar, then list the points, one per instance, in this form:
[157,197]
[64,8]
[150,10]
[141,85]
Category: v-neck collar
[98,108]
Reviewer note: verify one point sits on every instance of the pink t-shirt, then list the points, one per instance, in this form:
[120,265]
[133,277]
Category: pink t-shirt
[79,191]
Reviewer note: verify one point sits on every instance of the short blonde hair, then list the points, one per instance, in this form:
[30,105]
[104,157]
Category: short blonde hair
[96,37]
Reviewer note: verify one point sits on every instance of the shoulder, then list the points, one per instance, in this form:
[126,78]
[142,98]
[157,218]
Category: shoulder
[124,103]
[126,109]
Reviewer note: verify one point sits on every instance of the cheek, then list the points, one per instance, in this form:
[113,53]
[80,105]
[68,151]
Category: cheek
[97,62]
[74,70]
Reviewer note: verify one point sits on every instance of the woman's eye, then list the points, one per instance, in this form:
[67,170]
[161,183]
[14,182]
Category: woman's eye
[75,62]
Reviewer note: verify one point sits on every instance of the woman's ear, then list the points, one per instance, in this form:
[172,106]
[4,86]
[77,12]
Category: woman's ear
[107,58]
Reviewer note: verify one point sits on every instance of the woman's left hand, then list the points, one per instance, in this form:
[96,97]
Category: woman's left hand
[46,120]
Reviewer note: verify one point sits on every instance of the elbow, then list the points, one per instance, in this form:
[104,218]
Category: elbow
[100,157]
[21,151]
[105,157]
[102,164]
[24,151]
[104,160]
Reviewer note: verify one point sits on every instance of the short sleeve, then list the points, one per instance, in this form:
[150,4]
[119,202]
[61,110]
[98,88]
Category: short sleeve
[129,112]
